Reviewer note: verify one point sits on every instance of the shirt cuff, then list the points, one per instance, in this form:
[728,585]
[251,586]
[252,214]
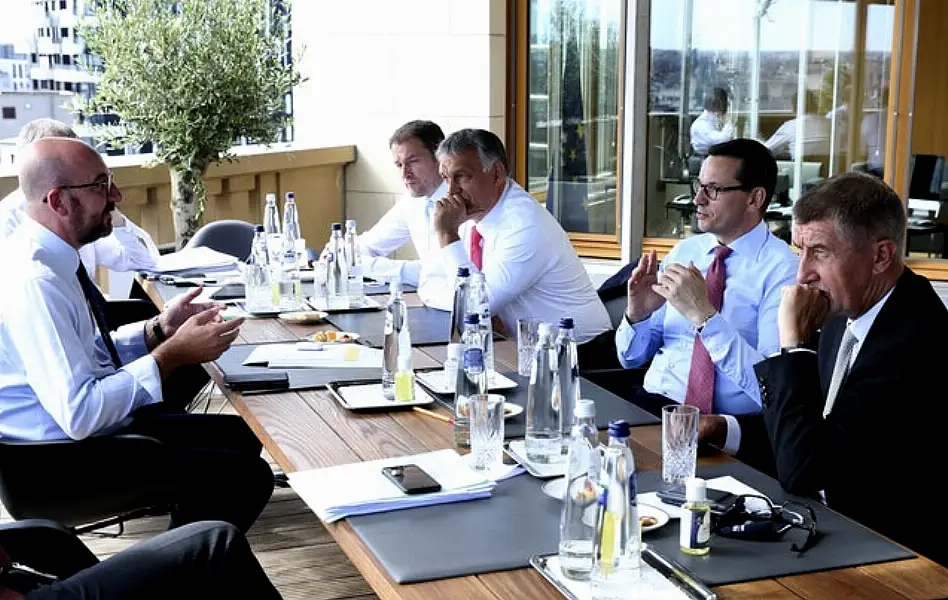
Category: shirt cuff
[456,256]
[733,442]
[792,350]
[145,372]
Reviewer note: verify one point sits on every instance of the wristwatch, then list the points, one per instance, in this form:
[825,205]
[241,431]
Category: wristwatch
[700,327]
[158,331]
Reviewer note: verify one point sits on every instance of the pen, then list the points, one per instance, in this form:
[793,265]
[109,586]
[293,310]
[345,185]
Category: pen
[433,415]
[677,574]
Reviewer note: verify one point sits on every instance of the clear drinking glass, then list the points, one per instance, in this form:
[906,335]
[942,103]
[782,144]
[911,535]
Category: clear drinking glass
[527,334]
[679,442]
[487,430]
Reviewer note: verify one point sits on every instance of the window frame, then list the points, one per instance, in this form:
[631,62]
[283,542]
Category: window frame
[591,245]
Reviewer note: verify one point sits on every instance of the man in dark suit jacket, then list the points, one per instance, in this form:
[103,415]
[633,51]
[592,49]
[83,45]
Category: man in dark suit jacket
[860,420]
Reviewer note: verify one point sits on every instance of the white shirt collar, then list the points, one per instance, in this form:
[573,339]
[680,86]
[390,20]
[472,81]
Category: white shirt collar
[487,222]
[61,256]
[860,326]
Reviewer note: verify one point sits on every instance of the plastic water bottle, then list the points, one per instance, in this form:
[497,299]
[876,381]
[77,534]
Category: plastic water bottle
[566,390]
[337,277]
[271,225]
[354,265]
[291,293]
[256,278]
[397,339]
[617,543]
[582,476]
[470,380]
[459,308]
[477,301]
[452,364]
[543,437]
[291,227]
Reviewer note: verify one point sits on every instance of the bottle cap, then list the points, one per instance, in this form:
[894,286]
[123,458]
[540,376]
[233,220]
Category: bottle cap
[545,330]
[566,323]
[454,351]
[394,286]
[696,489]
[472,319]
[290,197]
[464,272]
[258,229]
[619,429]
[337,226]
[350,223]
[584,409]
[271,197]
[473,358]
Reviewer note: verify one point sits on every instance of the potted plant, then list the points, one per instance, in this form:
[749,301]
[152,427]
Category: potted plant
[192,77]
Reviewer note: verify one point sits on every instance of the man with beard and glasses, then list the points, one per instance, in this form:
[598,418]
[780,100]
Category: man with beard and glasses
[127,248]
[64,375]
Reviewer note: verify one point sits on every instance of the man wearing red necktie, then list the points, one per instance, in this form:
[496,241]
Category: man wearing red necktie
[708,313]
[491,225]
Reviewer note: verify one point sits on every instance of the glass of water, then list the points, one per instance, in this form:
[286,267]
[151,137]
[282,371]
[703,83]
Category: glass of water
[679,442]
[487,430]
[527,334]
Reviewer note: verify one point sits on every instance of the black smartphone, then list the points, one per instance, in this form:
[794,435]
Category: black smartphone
[258,381]
[675,496]
[411,479]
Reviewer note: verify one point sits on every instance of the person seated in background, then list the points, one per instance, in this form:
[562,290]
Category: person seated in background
[64,375]
[708,313]
[712,126]
[489,224]
[127,248]
[413,147]
[860,417]
[816,132]
[201,560]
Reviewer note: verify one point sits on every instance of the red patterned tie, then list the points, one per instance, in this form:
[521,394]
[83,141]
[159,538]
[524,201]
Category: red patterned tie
[700,390]
[477,254]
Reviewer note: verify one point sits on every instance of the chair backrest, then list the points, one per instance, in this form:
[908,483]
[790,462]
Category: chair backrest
[228,236]
[612,292]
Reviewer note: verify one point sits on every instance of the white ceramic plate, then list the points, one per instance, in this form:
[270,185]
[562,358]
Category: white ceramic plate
[555,488]
[341,337]
[435,381]
[511,410]
[303,317]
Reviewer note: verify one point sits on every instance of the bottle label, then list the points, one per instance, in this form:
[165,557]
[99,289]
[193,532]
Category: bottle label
[695,530]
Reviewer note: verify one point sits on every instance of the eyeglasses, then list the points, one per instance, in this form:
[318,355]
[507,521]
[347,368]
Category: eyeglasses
[712,191]
[766,521]
[104,187]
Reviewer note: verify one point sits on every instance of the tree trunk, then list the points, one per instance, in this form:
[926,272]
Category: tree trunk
[187,202]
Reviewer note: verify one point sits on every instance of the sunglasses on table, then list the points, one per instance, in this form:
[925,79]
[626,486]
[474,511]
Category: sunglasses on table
[765,521]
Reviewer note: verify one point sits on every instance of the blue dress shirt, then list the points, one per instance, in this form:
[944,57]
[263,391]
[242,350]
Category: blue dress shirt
[57,380]
[742,334]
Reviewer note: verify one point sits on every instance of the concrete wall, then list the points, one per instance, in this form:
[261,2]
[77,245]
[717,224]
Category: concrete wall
[33,105]
[375,64]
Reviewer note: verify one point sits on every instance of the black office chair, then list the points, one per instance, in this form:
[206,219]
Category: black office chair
[228,236]
[69,481]
[47,547]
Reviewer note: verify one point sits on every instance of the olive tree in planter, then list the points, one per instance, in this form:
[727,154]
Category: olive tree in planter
[192,76]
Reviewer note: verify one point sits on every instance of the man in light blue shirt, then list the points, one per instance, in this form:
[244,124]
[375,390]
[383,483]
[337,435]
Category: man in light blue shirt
[668,305]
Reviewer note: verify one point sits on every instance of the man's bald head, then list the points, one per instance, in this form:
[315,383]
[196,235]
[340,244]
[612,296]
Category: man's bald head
[43,128]
[51,162]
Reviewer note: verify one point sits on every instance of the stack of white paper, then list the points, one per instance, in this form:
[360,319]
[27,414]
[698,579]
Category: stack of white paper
[361,488]
[310,355]
[199,258]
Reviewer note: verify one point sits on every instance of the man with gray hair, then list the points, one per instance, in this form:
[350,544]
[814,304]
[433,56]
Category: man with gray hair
[490,224]
[860,417]
[127,248]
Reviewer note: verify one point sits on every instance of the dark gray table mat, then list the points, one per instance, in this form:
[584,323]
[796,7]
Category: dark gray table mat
[451,540]
[300,379]
[609,407]
[504,531]
[427,326]
[374,288]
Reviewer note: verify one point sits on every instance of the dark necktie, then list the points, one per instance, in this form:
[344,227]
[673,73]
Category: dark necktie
[477,252]
[700,391]
[97,305]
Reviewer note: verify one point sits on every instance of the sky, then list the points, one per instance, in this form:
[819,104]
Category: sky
[15,17]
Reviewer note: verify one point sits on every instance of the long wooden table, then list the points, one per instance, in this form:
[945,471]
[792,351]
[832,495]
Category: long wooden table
[308,429]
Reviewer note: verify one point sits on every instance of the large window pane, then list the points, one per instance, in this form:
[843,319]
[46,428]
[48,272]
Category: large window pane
[572,111]
[806,77]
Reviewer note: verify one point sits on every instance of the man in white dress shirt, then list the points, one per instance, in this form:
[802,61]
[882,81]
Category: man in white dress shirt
[127,248]
[712,126]
[413,148]
[64,375]
[816,133]
[490,224]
